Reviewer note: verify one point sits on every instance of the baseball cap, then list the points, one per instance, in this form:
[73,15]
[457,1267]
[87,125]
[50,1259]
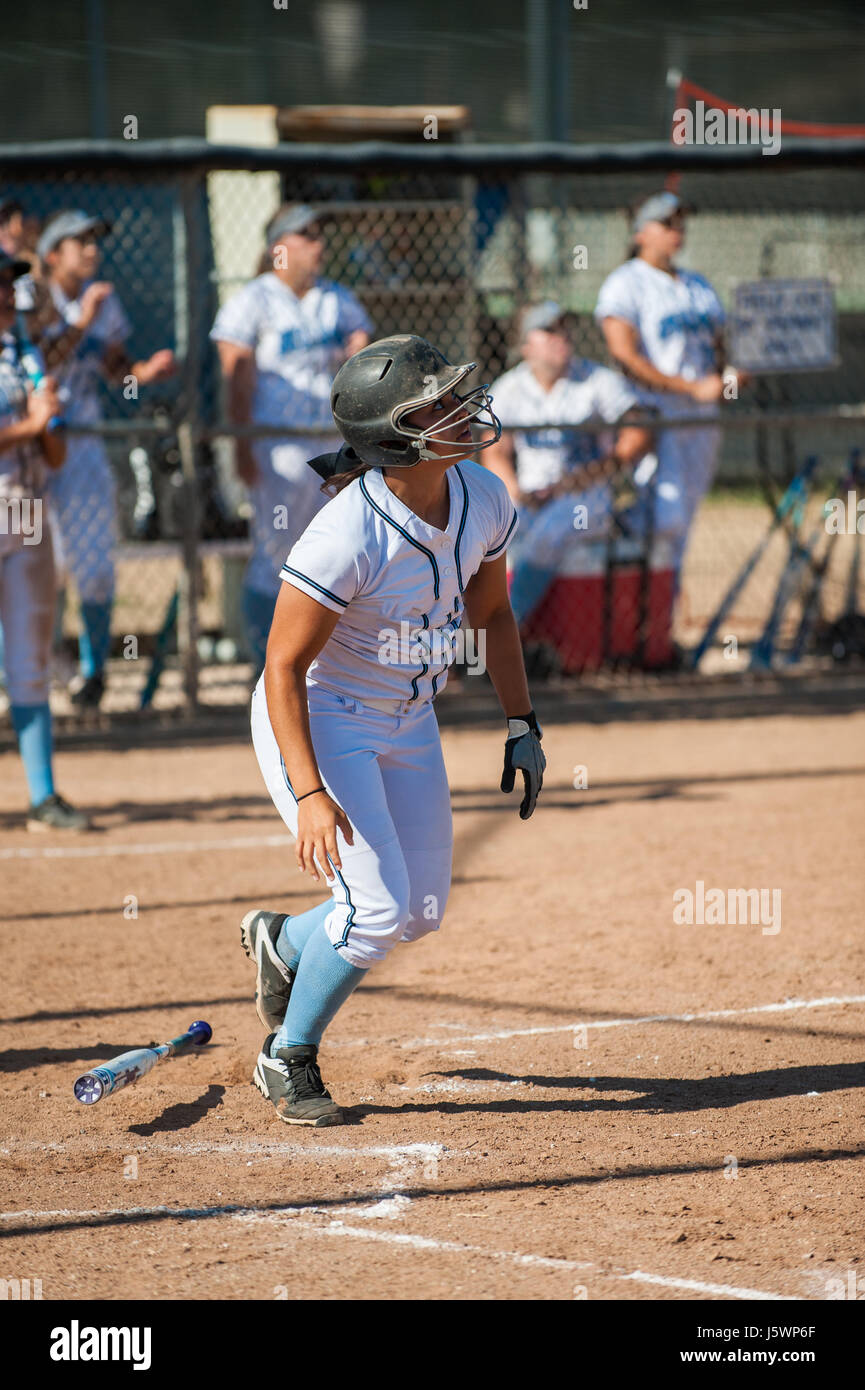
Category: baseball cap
[657,208]
[73,223]
[290,219]
[540,316]
[17,267]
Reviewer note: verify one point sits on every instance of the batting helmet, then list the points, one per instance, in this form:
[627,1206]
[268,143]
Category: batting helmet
[379,386]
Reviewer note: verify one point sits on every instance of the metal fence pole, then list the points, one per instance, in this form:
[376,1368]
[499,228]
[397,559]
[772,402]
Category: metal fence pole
[188,435]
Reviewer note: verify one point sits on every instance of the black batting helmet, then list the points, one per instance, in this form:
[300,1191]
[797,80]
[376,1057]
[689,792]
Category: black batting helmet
[379,386]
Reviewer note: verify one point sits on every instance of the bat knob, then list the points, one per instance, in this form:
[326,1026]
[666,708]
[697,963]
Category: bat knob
[204,1031]
[88,1088]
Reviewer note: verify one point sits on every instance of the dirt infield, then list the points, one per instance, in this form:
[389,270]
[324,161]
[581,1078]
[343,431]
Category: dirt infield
[565,1093]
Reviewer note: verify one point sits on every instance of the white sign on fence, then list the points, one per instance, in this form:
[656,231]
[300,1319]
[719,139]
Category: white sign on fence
[784,326]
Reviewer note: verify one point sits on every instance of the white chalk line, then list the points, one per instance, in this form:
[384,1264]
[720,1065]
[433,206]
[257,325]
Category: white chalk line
[167,847]
[299,1219]
[502,1034]
[419,1152]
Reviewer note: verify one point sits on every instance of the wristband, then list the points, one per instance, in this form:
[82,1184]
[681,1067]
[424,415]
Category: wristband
[528,720]
[312,793]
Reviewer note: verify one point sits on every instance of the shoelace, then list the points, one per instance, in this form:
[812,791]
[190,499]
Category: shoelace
[306,1080]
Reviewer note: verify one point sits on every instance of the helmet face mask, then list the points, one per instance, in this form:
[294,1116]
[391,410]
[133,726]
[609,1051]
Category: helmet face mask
[470,406]
[388,380]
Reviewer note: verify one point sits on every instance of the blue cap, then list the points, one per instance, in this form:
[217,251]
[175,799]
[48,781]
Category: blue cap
[72,223]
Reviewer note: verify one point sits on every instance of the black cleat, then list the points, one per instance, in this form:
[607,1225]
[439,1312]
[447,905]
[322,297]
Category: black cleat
[292,1083]
[259,932]
[87,693]
[56,814]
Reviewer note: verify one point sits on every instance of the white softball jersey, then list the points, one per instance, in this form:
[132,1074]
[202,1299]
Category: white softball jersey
[297,344]
[27,594]
[587,394]
[397,582]
[79,377]
[84,491]
[677,318]
[22,472]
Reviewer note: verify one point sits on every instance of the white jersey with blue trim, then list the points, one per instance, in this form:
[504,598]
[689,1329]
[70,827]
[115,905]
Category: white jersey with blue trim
[79,377]
[298,344]
[677,316]
[22,469]
[396,581]
[586,393]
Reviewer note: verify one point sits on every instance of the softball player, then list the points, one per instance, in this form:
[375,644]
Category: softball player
[27,589]
[550,470]
[83,343]
[664,326]
[280,340]
[342,718]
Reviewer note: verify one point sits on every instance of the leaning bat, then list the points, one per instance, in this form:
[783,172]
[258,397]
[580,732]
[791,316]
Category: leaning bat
[129,1067]
[796,489]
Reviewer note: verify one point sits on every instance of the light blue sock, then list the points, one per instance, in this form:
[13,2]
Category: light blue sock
[296,931]
[257,615]
[528,586]
[33,727]
[323,982]
[95,636]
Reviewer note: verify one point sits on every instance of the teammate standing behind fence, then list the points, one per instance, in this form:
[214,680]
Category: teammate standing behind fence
[83,342]
[550,470]
[280,340]
[27,589]
[664,327]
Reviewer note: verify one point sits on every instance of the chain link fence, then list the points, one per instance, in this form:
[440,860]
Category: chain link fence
[451,245]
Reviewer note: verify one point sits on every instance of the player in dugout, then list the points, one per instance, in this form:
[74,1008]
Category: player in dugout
[560,478]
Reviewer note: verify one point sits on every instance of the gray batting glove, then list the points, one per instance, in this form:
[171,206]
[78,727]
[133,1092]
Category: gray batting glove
[523,750]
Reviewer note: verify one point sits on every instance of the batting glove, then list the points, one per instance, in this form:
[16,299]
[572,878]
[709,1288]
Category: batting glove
[523,750]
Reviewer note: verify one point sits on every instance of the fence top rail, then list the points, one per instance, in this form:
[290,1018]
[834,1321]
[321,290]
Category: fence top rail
[194,155]
[835,416]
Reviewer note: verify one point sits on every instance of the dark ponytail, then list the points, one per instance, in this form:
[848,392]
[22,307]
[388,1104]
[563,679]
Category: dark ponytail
[331,486]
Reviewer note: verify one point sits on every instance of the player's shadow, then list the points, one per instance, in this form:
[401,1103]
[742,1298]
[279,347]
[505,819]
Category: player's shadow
[23,1058]
[652,1095]
[181,1116]
[211,810]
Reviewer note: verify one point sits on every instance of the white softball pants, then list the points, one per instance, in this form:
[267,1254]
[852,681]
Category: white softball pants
[27,601]
[387,773]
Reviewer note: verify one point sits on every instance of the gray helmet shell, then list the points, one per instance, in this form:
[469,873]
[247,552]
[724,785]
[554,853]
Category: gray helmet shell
[386,381]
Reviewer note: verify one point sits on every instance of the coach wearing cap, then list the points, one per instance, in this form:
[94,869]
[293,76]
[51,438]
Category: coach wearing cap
[280,340]
[663,326]
[83,340]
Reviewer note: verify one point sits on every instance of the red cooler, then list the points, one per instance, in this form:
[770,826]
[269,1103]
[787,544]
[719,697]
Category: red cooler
[570,617]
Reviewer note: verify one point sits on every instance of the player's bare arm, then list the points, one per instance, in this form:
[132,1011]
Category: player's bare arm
[622,341]
[299,631]
[500,458]
[631,443]
[119,364]
[356,340]
[238,370]
[42,406]
[488,609]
